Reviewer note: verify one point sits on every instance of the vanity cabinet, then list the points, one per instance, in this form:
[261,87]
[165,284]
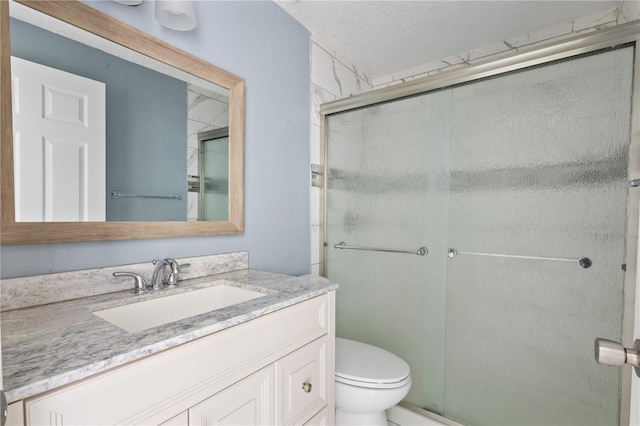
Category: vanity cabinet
[275,369]
[289,392]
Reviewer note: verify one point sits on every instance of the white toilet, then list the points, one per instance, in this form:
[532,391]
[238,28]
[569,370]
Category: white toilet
[368,381]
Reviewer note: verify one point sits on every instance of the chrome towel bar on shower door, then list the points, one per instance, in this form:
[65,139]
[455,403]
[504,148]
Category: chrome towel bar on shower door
[420,252]
[117,194]
[583,262]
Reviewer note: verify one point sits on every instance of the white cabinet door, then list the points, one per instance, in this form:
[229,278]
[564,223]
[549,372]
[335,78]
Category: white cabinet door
[302,380]
[248,402]
[59,142]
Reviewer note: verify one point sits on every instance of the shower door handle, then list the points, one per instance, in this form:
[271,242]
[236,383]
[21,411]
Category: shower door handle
[609,352]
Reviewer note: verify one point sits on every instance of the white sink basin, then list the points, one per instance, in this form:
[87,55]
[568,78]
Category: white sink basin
[140,316]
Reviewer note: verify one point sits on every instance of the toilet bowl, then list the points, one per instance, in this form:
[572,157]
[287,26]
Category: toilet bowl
[369,380]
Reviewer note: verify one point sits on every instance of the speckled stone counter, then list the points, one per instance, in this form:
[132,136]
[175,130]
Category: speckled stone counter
[47,346]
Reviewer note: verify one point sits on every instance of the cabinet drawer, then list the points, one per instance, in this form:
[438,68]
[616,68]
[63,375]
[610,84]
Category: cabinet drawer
[301,381]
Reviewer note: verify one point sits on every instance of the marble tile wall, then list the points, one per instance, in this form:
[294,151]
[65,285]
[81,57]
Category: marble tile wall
[626,11]
[334,77]
[207,111]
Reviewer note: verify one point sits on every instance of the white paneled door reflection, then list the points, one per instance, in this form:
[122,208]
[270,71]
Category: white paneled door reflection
[59,132]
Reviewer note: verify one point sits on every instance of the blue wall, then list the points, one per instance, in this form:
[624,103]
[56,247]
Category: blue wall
[262,44]
[144,156]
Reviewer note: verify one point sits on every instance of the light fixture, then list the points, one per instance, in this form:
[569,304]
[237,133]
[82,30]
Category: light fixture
[176,14]
[129,2]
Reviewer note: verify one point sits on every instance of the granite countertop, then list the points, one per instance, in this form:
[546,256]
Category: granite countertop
[47,346]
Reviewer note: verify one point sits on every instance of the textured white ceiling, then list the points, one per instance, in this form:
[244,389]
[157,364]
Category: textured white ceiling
[385,36]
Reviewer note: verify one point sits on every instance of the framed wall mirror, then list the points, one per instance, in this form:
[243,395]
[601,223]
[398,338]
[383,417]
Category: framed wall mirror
[103,132]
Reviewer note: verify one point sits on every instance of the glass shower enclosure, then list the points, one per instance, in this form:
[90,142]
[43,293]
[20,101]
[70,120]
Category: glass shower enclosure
[213,168]
[517,184]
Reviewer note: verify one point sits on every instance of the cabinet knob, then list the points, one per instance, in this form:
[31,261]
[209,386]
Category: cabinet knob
[306,387]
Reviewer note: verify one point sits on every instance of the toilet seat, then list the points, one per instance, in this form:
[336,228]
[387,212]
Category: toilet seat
[363,365]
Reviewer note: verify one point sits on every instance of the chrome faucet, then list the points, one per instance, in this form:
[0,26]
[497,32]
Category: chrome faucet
[157,279]
[175,270]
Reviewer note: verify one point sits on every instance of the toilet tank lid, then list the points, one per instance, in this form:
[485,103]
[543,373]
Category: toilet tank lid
[366,363]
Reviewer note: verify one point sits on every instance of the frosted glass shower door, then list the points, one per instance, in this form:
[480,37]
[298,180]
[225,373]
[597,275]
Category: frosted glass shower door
[214,178]
[388,183]
[539,162]
[508,171]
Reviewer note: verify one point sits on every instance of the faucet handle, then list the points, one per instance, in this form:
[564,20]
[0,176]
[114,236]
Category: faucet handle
[173,264]
[175,270]
[140,283]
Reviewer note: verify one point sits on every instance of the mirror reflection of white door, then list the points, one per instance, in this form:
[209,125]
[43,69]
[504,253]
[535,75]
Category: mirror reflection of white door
[59,124]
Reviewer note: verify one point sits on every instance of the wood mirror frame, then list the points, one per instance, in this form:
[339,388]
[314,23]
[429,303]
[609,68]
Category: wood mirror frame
[93,21]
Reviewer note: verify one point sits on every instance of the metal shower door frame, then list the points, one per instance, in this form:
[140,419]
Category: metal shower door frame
[628,33]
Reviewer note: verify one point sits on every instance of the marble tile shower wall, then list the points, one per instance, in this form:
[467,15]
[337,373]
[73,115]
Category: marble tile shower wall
[206,111]
[334,77]
[626,11]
